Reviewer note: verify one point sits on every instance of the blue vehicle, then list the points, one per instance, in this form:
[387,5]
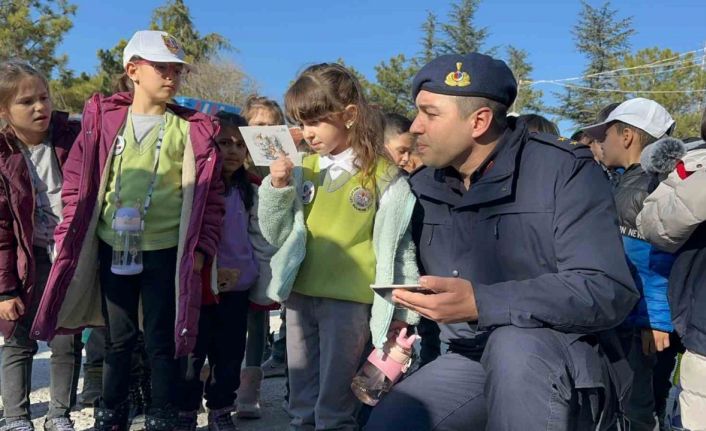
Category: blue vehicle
[206,106]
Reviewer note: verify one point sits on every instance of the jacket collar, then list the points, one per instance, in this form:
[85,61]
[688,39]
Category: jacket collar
[498,181]
[494,180]
[12,162]
[633,170]
[114,113]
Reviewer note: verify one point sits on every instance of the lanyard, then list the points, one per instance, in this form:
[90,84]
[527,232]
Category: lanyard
[153,181]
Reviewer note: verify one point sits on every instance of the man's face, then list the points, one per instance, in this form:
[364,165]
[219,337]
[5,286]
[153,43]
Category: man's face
[443,136]
[613,147]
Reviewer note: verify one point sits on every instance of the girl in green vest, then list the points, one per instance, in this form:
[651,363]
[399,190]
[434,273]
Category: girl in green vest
[341,222]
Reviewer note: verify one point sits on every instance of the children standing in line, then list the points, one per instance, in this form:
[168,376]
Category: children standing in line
[34,145]
[223,320]
[342,223]
[147,172]
[258,111]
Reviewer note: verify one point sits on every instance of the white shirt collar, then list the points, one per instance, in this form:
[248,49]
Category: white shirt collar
[339,163]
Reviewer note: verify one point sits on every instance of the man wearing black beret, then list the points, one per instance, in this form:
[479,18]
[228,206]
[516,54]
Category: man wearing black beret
[525,274]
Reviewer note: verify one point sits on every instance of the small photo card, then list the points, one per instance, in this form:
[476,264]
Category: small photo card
[266,143]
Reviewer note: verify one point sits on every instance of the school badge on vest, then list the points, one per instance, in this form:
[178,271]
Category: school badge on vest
[458,78]
[119,145]
[361,198]
[308,192]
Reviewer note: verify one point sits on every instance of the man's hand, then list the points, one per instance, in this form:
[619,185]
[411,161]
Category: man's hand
[11,309]
[199,259]
[654,341]
[281,171]
[443,299]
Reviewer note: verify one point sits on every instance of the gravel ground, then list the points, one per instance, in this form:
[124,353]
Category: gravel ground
[274,418]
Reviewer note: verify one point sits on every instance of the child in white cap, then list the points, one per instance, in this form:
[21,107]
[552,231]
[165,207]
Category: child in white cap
[143,203]
[624,134]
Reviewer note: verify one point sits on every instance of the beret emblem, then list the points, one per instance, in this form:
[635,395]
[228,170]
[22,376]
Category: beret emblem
[458,78]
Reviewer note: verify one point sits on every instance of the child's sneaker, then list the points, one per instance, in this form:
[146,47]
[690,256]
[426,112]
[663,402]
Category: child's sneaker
[59,424]
[109,419]
[17,424]
[161,419]
[221,420]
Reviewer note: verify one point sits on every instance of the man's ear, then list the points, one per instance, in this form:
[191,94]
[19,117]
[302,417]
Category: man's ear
[628,137]
[481,120]
[350,115]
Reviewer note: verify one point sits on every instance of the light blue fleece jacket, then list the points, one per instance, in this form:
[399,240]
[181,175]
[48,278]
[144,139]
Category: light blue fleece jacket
[281,216]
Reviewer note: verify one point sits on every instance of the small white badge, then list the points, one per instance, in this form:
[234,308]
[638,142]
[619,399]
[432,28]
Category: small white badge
[119,145]
[361,198]
[308,192]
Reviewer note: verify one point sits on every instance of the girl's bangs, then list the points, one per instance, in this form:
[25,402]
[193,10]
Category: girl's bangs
[308,101]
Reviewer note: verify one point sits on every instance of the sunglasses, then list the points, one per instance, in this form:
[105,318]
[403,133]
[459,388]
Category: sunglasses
[166,69]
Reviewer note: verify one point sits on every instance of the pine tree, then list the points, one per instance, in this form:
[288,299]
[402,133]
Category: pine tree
[669,81]
[528,98]
[461,34]
[430,43]
[603,38]
[31,30]
[393,90]
[175,18]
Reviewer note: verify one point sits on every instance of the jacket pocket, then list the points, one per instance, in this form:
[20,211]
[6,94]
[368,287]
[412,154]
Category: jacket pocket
[520,236]
[436,217]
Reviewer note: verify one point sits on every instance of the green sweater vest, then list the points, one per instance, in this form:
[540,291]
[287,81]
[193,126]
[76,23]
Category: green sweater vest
[162,221]
[340,260]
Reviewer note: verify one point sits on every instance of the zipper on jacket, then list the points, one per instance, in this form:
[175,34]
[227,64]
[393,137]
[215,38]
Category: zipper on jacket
[30,253]
[87,134]
[210,159]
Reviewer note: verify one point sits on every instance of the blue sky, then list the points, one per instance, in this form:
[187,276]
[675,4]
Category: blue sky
[277,38]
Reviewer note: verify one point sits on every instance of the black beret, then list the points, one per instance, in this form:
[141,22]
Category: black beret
[467,75]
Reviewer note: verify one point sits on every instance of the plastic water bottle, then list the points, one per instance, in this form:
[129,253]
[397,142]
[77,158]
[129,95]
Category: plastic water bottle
[127,242]
[383,368]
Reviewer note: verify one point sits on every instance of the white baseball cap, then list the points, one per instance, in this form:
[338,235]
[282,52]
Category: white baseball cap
[645,114]
[153,45]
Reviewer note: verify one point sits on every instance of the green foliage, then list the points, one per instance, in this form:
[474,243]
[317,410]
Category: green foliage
[217,79]
[393,87]
[110,66]
[69,93]
[528,98]
[461,34]
[392,90]
[430,43]
[669,72]
[175,18]
[603,38]
[31,30]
